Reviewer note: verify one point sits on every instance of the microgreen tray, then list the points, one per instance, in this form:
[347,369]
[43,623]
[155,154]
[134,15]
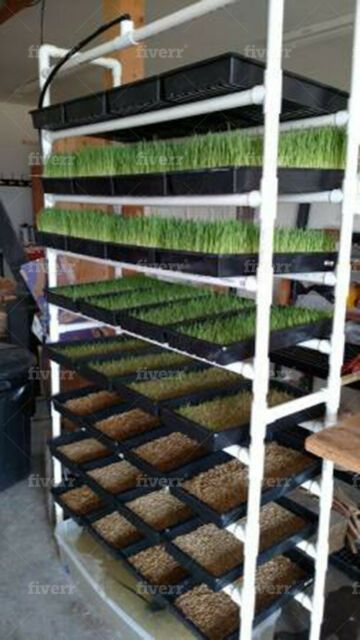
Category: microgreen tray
[60,399]
[65,486]
[220,181]
[277,604]
[280,546]
[291,438]
[237,351]
[211,264]
[217,440]
[119,554]
[54,351]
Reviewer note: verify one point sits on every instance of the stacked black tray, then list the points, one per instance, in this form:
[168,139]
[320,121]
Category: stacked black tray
[206,79]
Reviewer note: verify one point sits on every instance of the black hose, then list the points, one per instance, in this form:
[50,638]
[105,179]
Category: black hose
[75,49]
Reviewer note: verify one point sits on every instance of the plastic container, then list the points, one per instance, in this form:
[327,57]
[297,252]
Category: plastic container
[16,408]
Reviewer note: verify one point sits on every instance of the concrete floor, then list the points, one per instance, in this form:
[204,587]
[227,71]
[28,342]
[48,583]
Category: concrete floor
[38,600]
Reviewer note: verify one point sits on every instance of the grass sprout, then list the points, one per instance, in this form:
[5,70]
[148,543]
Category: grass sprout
[139,364]
[78,291]
[226,412]
[306,148]
[98,348]
[236,328]
[178,311]
[207,236]
[139,298]
[183,383]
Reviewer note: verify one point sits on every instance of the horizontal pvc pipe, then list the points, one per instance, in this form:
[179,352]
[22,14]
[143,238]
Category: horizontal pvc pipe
[330,197]
[324,346]
[237,529]
[234,592]
[299,404]
[240,453]
[241,200]
[210,105]
[305,600]
[338,119]
[134,37]
[307,547]
[313,487]
[327,278]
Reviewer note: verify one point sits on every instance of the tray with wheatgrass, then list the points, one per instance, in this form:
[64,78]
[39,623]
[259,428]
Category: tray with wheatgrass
[231,337]
[113,309]
[221,418]
[72,354]
[217,248]
[68,296]
[309,161]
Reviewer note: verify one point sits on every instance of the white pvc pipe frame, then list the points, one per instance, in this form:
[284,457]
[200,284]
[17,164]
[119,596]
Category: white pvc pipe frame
[268,213]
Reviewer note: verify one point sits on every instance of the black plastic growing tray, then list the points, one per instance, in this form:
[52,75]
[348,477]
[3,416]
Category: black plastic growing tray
[217,440]
[54,352]
[63,488]
[60,399]
[211,264]
[280,546]
[277,604]
[292,438]
[129,99]
[70,438]
[213,77]
[219,181]
[119,554]
[117,446]
[122,386]
[172,477]
[225,354]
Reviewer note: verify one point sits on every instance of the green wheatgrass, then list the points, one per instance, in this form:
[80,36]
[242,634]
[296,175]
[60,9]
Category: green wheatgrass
[139,298]
[94,348]
[226,412]
[184,383]
[322,148]
[240,327]
[207,236]
[104,287]
[178,311]
[137,364]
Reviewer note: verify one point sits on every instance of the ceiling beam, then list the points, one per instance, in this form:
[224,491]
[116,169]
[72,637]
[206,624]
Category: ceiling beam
[9,8]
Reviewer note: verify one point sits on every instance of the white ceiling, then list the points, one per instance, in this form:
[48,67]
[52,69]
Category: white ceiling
[236,27]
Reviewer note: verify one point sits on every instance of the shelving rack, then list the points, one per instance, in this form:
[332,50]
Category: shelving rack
[269,95]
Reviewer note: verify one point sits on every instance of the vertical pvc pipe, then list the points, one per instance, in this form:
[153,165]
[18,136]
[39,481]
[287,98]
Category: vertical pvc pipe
[268,210]
[338,334]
